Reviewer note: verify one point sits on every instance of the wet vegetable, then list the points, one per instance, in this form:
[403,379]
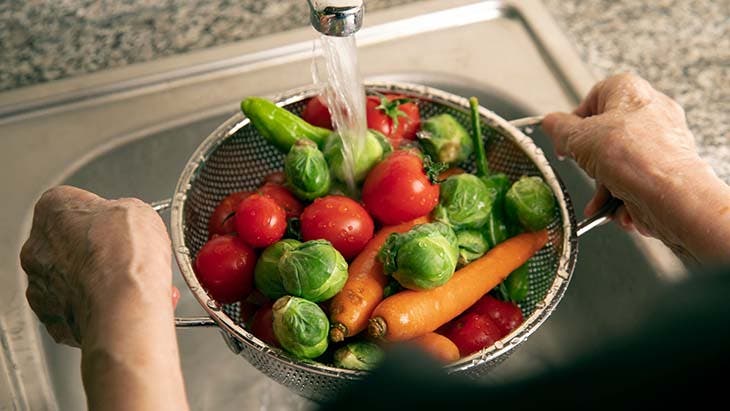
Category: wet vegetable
[313,270]
[340,220]
[398,190]
[266,274]
[300,326]
[224,266]
[464,203]
[307,172]
[505,314]
[260,222]
[374,147]
[423,258]
[396,116]
[361,355]
[222,221]
[279,126]
[496,228]
[445,139]
[471,332]
[472,245]
[516,287]
[262,325]
[530,202]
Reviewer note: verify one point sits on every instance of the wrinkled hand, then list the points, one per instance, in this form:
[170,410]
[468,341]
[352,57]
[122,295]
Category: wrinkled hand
[86,253]
[634,141]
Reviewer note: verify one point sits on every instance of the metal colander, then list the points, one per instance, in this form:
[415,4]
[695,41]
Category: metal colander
[235,157]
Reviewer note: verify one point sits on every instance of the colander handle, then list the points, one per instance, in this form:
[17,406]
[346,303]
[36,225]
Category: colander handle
[604,214]
[183,322]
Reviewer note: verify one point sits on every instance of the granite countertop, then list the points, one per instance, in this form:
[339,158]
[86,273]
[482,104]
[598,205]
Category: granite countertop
[681,47]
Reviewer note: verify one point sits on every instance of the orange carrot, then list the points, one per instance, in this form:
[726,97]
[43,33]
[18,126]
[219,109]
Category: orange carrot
[438,346]
[351,307]
[410,314]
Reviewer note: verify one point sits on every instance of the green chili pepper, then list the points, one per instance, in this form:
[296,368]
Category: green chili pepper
[279,126]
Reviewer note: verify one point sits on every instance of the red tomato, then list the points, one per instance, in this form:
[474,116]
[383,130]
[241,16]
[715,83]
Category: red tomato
[316,113]
[471,332]
[398,190]
[277,177]
[224,266]
[341,221]
[252,303]
[505,314]
[393,115]
[222,221]
[283,197]
[260,222]
[262,325]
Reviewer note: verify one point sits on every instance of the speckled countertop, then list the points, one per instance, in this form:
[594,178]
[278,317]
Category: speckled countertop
[682,47]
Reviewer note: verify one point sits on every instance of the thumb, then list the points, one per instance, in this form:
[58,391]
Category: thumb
[559,126]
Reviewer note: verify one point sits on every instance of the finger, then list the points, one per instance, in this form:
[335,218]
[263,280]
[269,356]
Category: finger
[175,297]
[623,218]
[559,127]
[600,197]
[589,106]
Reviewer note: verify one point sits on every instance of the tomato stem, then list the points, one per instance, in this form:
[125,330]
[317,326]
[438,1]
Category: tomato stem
[390,108]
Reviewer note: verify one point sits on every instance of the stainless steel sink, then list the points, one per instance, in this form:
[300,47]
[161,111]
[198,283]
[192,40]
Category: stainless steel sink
[129,132]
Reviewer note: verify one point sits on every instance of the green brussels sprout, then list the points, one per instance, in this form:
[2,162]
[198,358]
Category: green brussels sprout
[464,202]
[361,355]
[472,245]
[300,326]
[499,184]
[307,173]
[445,139]
[313,270]
[530,202]
[516,286]
[374,147]
[424,257]
[266,274]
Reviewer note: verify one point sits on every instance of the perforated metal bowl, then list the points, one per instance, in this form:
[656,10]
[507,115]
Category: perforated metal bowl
[235,157]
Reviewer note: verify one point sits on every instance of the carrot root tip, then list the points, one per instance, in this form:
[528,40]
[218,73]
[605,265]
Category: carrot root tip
[377,327]
[338,332]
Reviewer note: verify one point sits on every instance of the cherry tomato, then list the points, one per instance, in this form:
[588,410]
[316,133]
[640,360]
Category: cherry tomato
[341,221]
[260,222]
[222,221]
[252,303]
[316,113]
[471,332]
[277,177]
[262,325]
[398,190]
[283,197]
[505,314]
[224,266]
[393,115]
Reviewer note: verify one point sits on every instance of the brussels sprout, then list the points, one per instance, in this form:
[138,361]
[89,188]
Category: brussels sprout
[266,274]
[374,147]
[499,184]
[361,355]
[530,202]
[307,173]
[472,245]
[464,203]
[300,326]
[445,139]
[424,257]
[516,286]
[392,287]
[313,270]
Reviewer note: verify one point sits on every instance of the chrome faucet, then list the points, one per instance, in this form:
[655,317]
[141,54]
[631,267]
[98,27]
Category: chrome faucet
[339,18]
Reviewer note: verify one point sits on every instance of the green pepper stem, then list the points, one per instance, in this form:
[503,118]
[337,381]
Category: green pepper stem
[476,135]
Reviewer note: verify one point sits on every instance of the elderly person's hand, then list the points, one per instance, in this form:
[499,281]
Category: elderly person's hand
[99,277]
[634,141]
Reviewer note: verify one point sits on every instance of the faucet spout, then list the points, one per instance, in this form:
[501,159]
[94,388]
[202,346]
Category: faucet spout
[339,18]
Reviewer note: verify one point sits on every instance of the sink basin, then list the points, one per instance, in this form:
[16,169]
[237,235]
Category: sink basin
[130,132]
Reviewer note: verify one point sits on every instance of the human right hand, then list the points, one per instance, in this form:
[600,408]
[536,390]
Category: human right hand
[634,141]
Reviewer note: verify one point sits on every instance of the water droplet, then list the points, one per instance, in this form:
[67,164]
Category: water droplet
[332,224]
[183,250]
[213,305]
[351,239]
[499,345]
[350,227]
[329,206]
[529,130]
